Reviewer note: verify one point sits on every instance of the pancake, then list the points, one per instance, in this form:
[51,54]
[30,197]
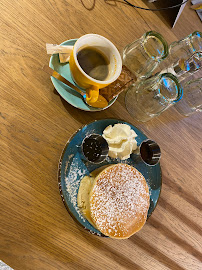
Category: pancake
[118,201]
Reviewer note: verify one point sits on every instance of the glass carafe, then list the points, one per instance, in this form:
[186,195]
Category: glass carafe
[184,50]
[143,55]
[149,98]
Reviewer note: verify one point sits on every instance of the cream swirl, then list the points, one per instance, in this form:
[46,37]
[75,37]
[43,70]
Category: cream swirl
[121,140]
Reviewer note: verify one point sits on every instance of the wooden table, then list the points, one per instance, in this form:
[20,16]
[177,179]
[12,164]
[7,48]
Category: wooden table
[36,231]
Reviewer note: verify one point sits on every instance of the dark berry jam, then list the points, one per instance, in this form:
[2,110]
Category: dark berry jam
[92,149]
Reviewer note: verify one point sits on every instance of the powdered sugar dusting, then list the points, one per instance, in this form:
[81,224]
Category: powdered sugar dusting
[140,166]
[72,180]
[120,196]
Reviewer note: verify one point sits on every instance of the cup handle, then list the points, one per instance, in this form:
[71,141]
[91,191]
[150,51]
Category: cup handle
[92,93]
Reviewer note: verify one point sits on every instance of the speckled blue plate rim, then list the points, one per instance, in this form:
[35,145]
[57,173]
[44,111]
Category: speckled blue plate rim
[94,231]
[66,92]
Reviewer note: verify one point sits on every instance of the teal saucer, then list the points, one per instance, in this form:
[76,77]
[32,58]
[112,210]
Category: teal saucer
[66,92]
[72,168]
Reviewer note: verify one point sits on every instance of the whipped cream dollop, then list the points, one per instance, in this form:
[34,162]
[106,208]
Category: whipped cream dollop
[121,140]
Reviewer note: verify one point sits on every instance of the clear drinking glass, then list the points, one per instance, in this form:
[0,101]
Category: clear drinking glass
[192,98]
[182,49]
[150,97]
[196,41]
[143,55]
[184,69]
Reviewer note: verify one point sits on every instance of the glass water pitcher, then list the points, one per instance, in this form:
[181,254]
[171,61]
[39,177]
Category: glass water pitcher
[149,98]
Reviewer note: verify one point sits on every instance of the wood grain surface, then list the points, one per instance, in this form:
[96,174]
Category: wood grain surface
[36,232]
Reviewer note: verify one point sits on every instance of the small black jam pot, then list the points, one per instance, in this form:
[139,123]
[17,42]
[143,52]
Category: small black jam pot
[94,148]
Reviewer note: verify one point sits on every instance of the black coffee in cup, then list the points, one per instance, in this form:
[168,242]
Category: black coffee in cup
[94,63]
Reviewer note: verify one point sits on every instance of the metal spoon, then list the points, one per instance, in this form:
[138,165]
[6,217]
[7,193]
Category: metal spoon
[100,103]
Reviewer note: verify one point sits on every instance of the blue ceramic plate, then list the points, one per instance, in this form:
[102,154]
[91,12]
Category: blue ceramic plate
[66,92]
[72,169]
